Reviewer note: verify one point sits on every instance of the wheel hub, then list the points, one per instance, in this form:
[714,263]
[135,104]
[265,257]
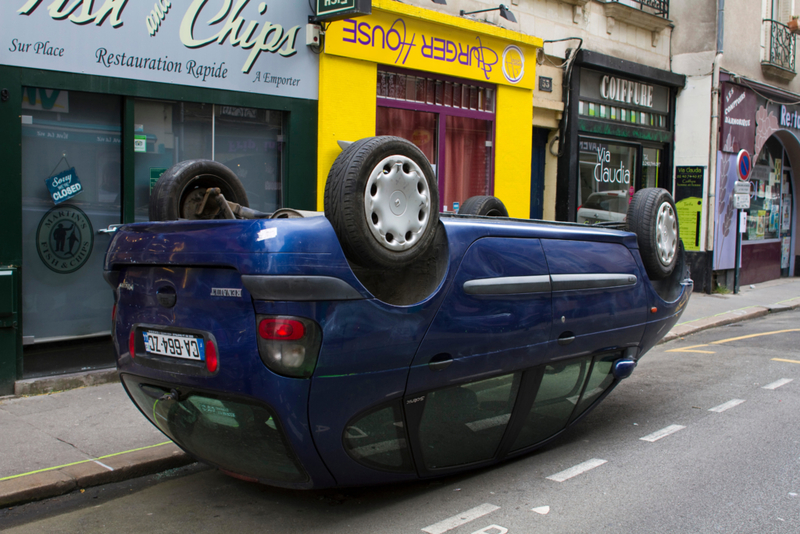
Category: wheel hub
[397,203]
[666,234]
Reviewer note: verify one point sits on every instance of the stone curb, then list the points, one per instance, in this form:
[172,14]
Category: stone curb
[735,316]
[48,484]
[41,386]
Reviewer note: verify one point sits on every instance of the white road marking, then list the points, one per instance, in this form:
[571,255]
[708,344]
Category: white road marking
[778,383]
[664,432]
[460,519]
[577,470]
[492,529]
[726,406]
[542,510]
[104,465]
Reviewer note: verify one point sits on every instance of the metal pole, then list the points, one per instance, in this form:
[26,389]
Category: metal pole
[738,253]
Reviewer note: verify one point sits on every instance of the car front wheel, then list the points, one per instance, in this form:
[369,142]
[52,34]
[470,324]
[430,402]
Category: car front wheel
[654,220]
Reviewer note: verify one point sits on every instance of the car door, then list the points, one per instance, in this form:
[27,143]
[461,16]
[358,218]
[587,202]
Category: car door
[598,296]
[493,324]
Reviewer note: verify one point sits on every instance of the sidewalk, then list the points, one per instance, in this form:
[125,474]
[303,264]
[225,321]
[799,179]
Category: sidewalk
[56,443]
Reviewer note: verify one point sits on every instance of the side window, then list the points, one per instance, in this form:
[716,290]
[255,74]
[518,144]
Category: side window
[378,439]
[558,394]
[464,424]
[567,390]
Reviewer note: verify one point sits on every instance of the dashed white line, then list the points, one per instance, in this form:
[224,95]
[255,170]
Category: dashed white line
[577,470]
[778,383]
[664,432]
[726,406]
[460,519]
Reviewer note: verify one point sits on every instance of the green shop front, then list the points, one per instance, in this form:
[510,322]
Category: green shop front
[97,99]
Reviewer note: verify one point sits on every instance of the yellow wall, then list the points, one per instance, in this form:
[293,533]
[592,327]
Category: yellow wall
[513,140]
[347,109]
[348,102]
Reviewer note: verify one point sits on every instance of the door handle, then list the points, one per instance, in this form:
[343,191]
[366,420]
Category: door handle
[440,362]
[566,338]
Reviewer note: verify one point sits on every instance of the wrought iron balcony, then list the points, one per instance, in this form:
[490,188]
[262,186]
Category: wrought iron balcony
[780,49]
[659,8]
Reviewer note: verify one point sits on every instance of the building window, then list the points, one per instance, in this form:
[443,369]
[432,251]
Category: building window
[247,140]
[452,122]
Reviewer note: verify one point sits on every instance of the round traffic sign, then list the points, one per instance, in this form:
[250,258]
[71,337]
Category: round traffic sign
[743,164]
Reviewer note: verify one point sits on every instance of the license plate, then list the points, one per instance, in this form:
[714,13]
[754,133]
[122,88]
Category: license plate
[175,345]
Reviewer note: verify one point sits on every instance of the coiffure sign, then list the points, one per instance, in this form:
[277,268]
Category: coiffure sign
[615,90]
[389,39]
[239,45]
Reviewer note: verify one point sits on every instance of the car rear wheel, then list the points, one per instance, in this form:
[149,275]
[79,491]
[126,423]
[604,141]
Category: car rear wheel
[483,205]
[654,220]
[382,200]
[181,191]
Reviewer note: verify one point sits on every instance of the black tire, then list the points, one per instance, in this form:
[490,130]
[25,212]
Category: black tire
[181,186]
[483,205]
[654,220]
[366,231]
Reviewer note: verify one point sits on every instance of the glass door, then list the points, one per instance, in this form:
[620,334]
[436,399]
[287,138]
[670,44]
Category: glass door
[71,154]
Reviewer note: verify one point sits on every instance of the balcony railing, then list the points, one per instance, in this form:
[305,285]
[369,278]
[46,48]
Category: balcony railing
[780,46]
[659,8]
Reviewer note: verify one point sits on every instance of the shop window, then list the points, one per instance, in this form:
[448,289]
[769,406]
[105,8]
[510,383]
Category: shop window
[248,140]
[468,153]
[71,154]
[767,217]
[451,122]
[607,173]
[614,113]
[651,167]
[417,126]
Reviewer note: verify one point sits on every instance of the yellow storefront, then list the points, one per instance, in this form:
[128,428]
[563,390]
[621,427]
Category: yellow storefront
[461,90]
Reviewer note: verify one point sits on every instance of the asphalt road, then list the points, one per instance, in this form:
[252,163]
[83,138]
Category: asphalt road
[702,438]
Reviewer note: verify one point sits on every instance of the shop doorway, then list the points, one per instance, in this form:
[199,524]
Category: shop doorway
[71,154]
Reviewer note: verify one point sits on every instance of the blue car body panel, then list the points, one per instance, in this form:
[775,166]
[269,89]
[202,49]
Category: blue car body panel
[514,296]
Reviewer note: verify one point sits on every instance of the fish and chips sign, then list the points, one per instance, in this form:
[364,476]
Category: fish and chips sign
[240,45]
[415,43]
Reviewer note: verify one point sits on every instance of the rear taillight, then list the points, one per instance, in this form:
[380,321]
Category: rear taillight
[211,356]
[289,346]
[132,343]
[281,329]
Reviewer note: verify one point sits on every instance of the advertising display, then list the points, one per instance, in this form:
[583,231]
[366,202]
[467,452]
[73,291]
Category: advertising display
[257,47]
[738,118]
[689,203]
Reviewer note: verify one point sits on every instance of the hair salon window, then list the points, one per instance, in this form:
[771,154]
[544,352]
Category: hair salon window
[607,170]
[450,120]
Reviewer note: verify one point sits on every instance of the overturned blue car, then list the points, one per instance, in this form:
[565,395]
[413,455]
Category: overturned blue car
[379,341]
